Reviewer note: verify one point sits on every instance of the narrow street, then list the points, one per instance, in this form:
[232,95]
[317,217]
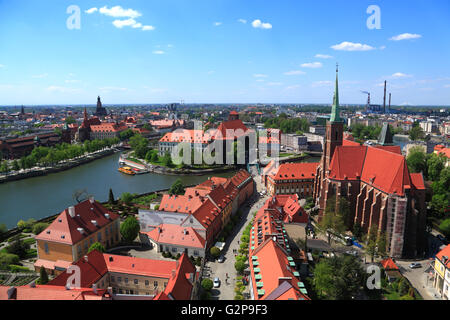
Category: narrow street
[220,270]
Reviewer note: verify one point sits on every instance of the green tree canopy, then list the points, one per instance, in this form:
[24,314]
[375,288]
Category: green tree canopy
[130,229]
[416,159]
[445,227]
[97,246]
[207,284]
[215,252]
[177,188]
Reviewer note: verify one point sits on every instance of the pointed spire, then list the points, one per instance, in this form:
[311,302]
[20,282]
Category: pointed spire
[85,114]
[335,110]
[386,138]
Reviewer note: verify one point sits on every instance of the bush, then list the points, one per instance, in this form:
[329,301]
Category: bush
[207,284]
[215,252]
[97,246]
[43,279]
[239,266]
[130,229]
[238,297]
[39,227]
[7,259]
[18,247]
[18,269]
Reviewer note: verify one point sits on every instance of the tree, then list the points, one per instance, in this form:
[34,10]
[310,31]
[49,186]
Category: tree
[357,231]
[445,227]
[207,284]
[130,229]
[111,197]
[215,252]
[3,229]
[70,120]
[97,246]
[416,133]
[39,227]
[167,160]
[338,278]
[43,276]
[435,164]
[18,247]
[331,220]
[371,242]
[177,188]
[382,245]
[416,160]
[240,267]
[7,259]
[15,165]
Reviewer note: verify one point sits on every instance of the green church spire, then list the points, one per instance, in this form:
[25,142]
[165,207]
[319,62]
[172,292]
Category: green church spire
[335,110]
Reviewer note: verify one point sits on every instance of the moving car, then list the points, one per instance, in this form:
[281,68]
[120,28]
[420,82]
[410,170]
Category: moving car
[216,282]
[415,265]
[221,259]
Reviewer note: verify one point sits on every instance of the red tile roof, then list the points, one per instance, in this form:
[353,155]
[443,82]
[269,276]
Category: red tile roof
[295,171]
[64,229]
[444,253]
[49,292]
[176,235]
[181,204]
[417,181]
[273,266]
[350,143]
[389,264]
[394,149]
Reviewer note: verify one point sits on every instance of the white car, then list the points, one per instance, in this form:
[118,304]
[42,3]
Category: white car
[216,282]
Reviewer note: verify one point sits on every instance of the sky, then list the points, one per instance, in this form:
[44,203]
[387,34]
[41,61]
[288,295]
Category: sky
[223,51]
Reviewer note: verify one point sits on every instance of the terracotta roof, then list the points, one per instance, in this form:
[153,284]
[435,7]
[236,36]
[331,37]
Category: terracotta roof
[190,136]
[417,181]
[238,127]
[180,287]
[347,162]
[394,149]
[389,264]
[273,266]
[350,143]
[444,253]
[108,127]
[176,235]
[49,292]
[65,229]
[182,203]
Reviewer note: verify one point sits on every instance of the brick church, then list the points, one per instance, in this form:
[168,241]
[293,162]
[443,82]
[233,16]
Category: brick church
[375,180]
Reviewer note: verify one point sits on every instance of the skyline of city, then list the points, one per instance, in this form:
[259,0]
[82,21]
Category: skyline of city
[225,52]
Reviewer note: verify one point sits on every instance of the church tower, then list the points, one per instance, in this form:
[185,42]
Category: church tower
[334,131]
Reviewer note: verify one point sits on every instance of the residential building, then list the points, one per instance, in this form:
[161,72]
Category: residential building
[50,292]
[71,234]
[442,273]
[291,178]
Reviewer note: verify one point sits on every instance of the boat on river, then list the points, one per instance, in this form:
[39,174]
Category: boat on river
[127,170]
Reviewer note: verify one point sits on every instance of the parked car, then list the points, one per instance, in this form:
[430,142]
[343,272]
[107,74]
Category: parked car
[216,282]
[221,259]
[415,265]
[442,238]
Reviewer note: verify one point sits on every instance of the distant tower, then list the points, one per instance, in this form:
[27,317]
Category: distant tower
[384,99]
[100,111]
[22,111]
[233,116]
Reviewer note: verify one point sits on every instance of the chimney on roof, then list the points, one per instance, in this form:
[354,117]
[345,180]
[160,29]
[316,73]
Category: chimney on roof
[94,288]
[11,293]
[174,273]
[91,199]
[72,212]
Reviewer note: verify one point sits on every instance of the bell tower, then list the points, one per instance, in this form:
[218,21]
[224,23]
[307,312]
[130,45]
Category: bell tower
[334,130]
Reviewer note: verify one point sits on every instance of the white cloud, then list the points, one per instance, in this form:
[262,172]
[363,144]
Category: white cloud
[262,25]
[124,23]
[295,86]
[447,86]
[322,83]
[2,65]
[217,24]
[158,52]
[40,76]
[91,10]
[350,46]
[294,73]
[211,72]
[131,23]
[108,89]
[260,80]
[148,28]
[170,46]
[242,21]
[382,47]
[312,65]
[72,81]
[405,36]
[323,56]
[274,83]
[119,12]
[259,75]
[400,75]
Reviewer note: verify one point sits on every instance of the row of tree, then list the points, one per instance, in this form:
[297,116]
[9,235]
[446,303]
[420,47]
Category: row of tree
[287,125]
[47,156]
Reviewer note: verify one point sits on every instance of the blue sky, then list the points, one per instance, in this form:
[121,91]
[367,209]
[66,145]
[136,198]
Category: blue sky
[231,51]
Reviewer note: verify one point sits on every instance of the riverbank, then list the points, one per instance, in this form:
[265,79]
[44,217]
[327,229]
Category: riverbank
[66,165]
[174,172]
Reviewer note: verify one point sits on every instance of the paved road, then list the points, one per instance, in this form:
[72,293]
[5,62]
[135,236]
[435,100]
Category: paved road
[220,270]
[419,277]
